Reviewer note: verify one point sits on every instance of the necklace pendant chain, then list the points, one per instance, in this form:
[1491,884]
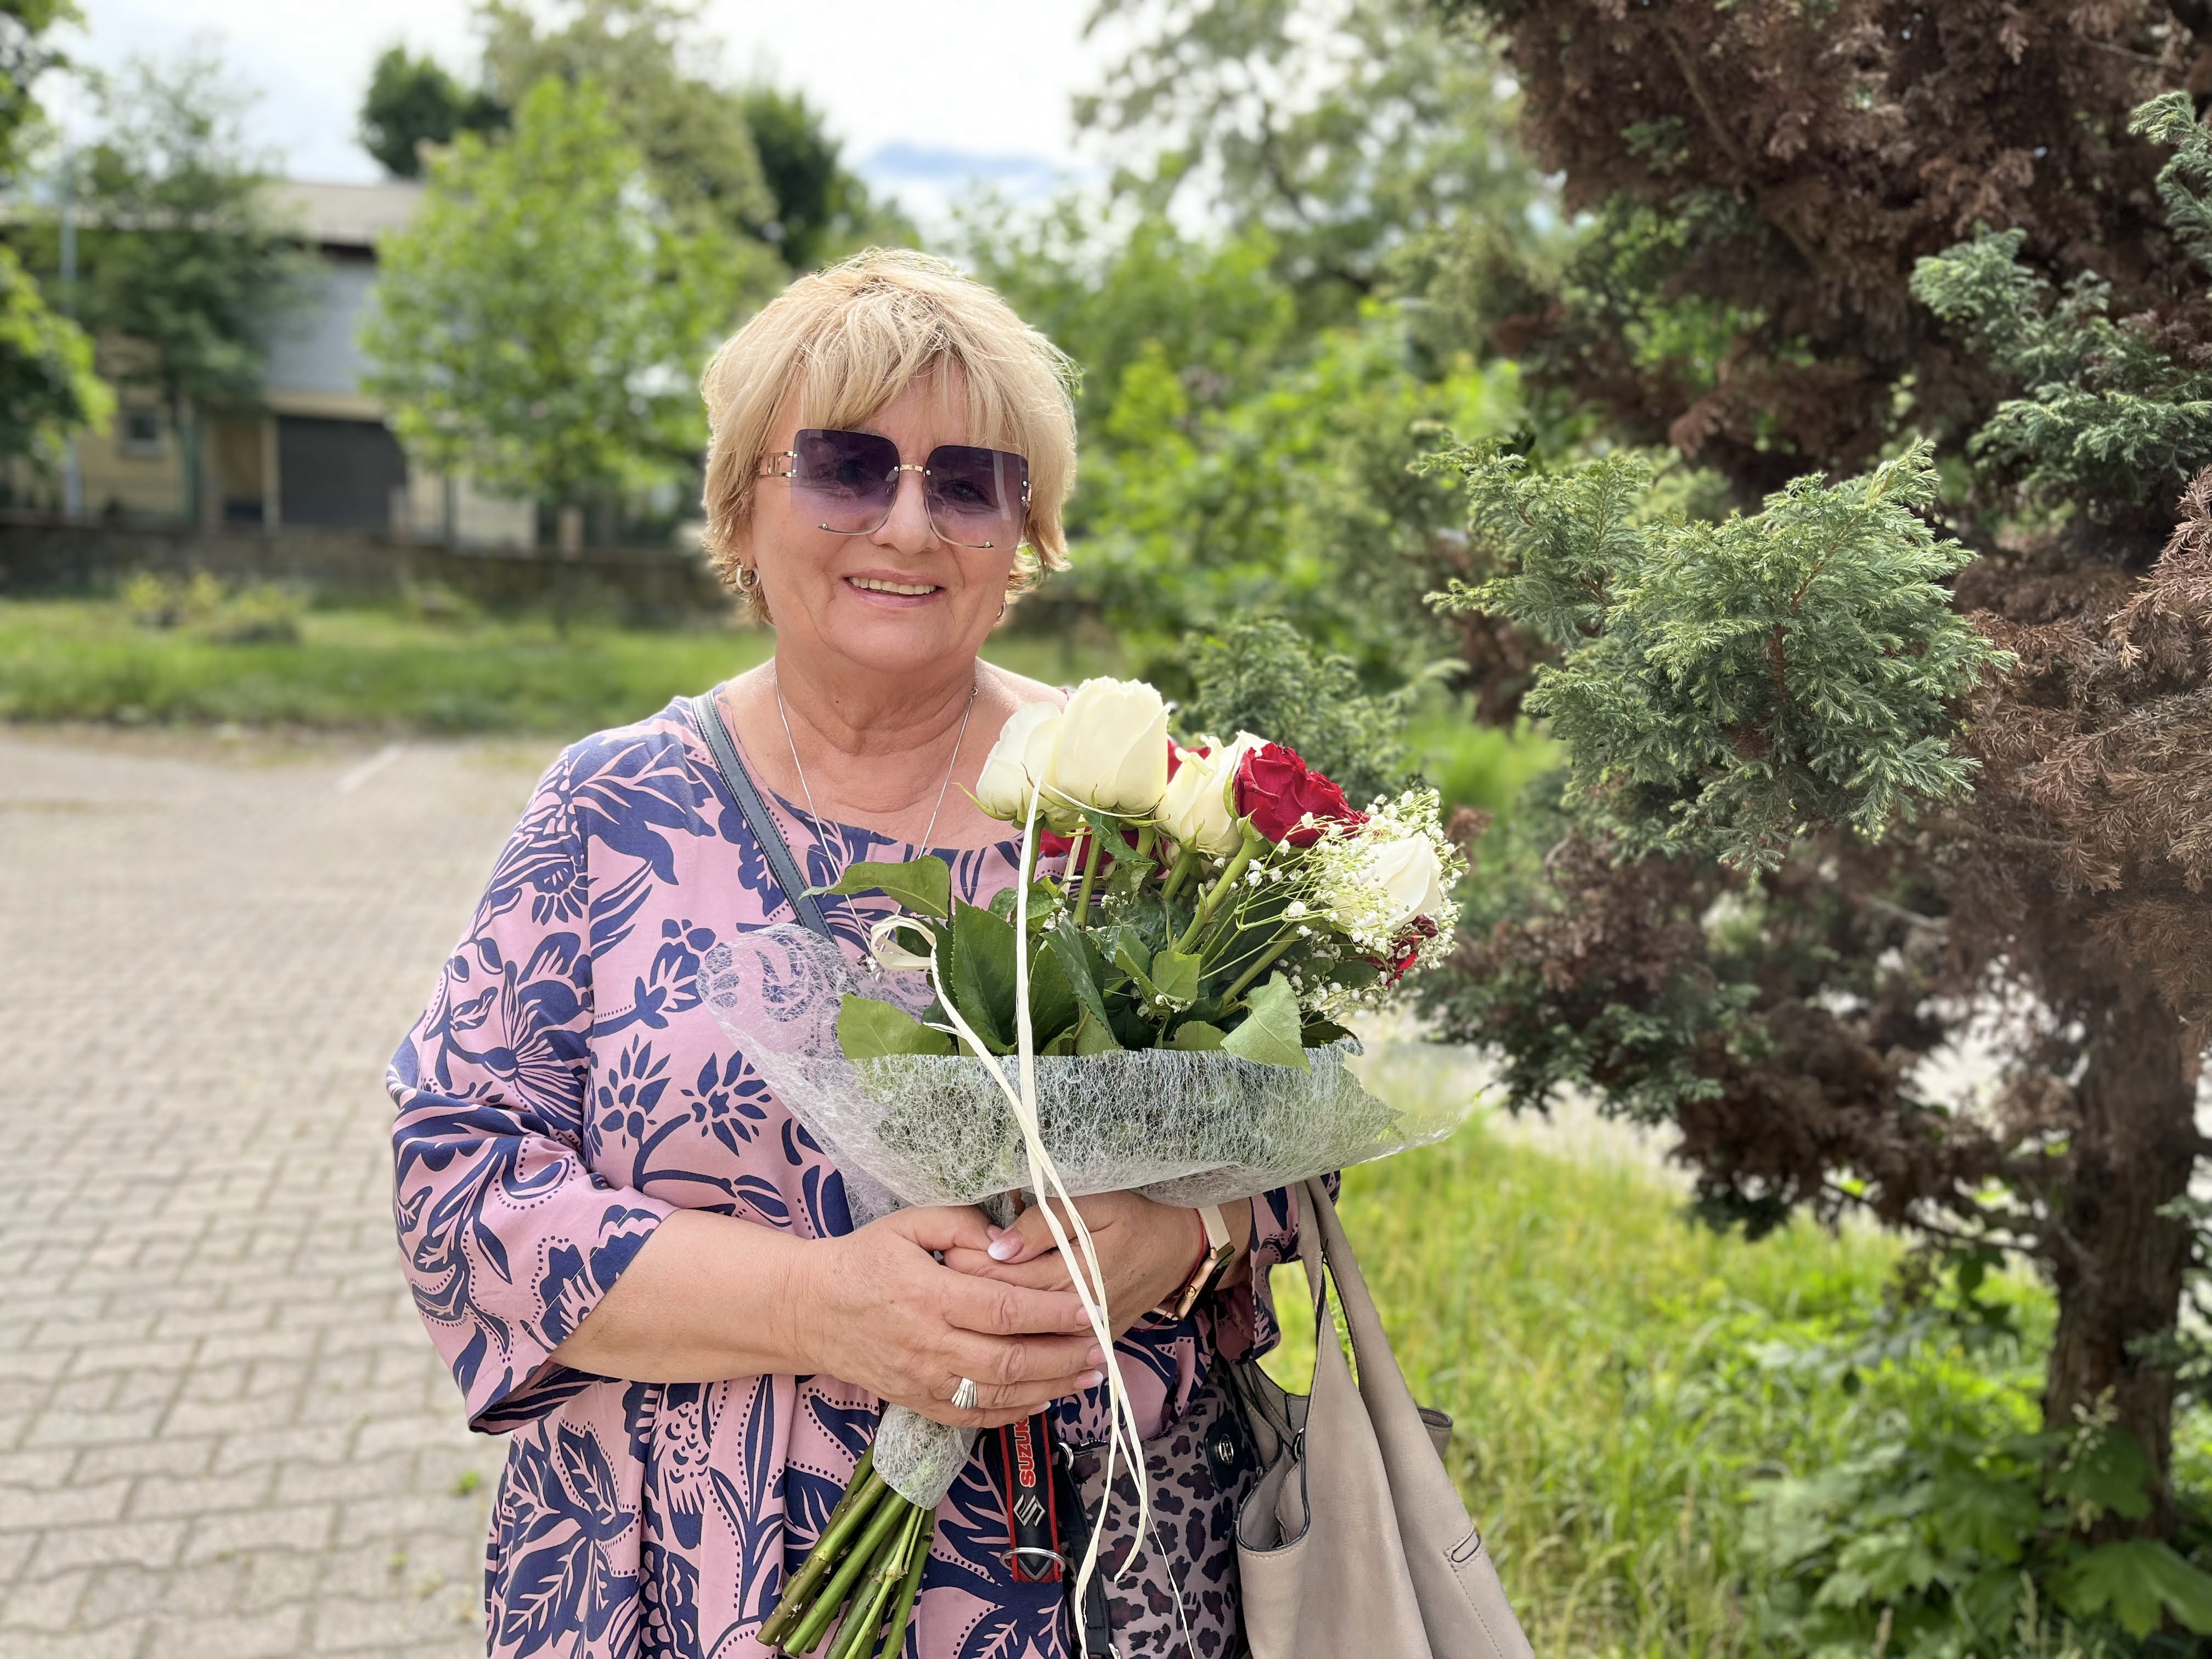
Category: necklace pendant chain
[814,818]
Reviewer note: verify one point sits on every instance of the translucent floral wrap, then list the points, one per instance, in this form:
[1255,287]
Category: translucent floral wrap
[1185,1128]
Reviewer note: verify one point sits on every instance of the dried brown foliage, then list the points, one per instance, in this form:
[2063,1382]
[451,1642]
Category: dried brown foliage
[1820,150]
[2092,831]
[1770,171]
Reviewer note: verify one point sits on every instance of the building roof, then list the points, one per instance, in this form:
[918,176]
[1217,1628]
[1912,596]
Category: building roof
[345,216]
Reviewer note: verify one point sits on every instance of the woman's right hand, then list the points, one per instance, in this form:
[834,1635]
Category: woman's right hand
[875,1307]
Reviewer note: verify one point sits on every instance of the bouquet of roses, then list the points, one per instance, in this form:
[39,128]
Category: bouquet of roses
[1163,1013]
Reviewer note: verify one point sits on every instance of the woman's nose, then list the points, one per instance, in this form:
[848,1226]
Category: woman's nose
[908,529]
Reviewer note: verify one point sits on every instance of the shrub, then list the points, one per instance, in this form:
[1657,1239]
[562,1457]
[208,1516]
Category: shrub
[1265,677]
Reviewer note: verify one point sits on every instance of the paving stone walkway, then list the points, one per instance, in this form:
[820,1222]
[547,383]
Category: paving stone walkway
[223,1431]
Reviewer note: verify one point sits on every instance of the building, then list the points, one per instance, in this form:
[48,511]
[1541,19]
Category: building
[317,452]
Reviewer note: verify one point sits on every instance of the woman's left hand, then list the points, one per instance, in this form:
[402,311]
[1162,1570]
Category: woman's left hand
[1145,1251]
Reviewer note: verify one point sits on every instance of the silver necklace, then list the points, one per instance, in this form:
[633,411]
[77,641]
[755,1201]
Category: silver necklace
[815,817]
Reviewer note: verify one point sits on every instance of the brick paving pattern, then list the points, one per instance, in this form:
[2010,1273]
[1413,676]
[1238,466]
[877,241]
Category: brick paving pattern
[223,1430]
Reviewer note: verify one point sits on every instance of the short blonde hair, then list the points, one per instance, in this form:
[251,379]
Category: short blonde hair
[850,339]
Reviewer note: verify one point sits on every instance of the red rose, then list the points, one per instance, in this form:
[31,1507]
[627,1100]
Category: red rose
[1418,933]
[1278,791]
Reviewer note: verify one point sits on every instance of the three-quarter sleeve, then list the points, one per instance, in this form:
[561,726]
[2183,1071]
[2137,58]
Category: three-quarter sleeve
[509,1238]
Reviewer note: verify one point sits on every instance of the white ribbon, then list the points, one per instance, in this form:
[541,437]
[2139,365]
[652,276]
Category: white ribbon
[1123,1437]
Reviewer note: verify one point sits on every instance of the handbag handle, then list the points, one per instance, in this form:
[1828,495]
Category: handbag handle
[707,720]
[1327,1243]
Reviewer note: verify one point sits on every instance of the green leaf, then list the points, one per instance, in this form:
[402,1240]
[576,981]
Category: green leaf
[1054,1004]
[1129,957]
[1196,1034]
[868,1030]
[1269,1033]
[1079,958]
[1319,1033]
[923,884]
[1175,977]
[1095,1036]
[2108,1476]
[2138,1580]
[981,978]
[1041,897]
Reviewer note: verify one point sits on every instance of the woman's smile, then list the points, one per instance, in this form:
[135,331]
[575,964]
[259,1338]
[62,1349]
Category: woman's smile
[880,588]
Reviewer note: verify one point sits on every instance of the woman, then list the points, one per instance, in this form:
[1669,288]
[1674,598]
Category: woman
[637,1264]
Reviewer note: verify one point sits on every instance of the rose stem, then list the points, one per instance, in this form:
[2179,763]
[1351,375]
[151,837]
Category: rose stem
[860,1494]
[1185,861]
[889,1514]
[856,1639]
[1253,841]
[1267,957]
[1092,848]
[903,1609]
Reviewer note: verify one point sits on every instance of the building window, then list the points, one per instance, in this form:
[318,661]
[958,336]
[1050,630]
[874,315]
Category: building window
[138,432]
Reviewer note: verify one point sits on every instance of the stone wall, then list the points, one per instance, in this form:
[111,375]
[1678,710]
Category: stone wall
[639,585]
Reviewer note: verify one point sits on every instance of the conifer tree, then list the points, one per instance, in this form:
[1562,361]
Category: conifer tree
[1901,751]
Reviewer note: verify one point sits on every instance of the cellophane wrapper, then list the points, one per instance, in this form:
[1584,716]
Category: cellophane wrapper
[1184,1128]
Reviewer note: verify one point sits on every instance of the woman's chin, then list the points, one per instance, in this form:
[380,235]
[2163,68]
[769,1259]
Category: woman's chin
[905,636]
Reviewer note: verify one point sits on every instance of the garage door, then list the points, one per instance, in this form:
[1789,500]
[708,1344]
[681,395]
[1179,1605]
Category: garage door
[337,472]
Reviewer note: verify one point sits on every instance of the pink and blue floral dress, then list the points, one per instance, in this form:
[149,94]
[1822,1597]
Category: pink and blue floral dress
[565,1090]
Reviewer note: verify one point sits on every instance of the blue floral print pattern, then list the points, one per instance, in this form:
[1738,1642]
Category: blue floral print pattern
[565,1090]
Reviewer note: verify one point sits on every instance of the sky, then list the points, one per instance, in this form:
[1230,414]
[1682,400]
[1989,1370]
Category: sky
[925,98]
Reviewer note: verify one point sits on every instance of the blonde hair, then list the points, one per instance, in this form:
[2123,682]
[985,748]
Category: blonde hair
[849,340]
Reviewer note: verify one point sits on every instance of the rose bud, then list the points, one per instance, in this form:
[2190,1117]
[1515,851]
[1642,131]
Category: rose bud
[1112,752]
[1198,810]
[1018,761]
[1408,870]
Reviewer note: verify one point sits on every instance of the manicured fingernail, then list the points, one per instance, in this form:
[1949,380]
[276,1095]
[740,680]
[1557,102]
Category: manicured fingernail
[1004,1248]
[1097,1355]
[992,1231]
[1091,1379]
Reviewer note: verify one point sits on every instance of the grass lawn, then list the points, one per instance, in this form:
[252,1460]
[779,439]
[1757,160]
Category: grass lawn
[75,660]
[1612,1369]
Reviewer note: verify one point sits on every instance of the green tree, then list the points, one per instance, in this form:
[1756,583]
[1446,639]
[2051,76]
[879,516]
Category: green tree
[1772,278]
[412,101]
[185,267]
[48,389]
[542,321]
[26,52]
[650,67]
[1234,463]
[1368,137]
[824,210]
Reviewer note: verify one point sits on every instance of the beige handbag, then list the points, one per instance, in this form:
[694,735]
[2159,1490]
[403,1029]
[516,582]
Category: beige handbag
[1354,1541]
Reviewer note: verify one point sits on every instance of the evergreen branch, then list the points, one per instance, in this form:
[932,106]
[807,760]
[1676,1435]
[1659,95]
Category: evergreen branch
[1702,707]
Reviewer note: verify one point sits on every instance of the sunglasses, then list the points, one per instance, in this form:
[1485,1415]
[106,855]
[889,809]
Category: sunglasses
[847,482]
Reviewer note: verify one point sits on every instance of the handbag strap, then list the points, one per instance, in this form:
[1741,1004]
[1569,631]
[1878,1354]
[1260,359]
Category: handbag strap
[752,807]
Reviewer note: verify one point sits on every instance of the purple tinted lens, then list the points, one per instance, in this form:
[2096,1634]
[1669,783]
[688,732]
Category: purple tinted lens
[843,480]
[978,497]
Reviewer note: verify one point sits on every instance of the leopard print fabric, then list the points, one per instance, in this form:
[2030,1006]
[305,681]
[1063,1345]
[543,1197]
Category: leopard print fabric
[1199,1472]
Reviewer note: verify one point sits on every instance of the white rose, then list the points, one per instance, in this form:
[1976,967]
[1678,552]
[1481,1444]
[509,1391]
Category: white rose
[1199,809]
[1018,761]
[1112,751]
[1408,870]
